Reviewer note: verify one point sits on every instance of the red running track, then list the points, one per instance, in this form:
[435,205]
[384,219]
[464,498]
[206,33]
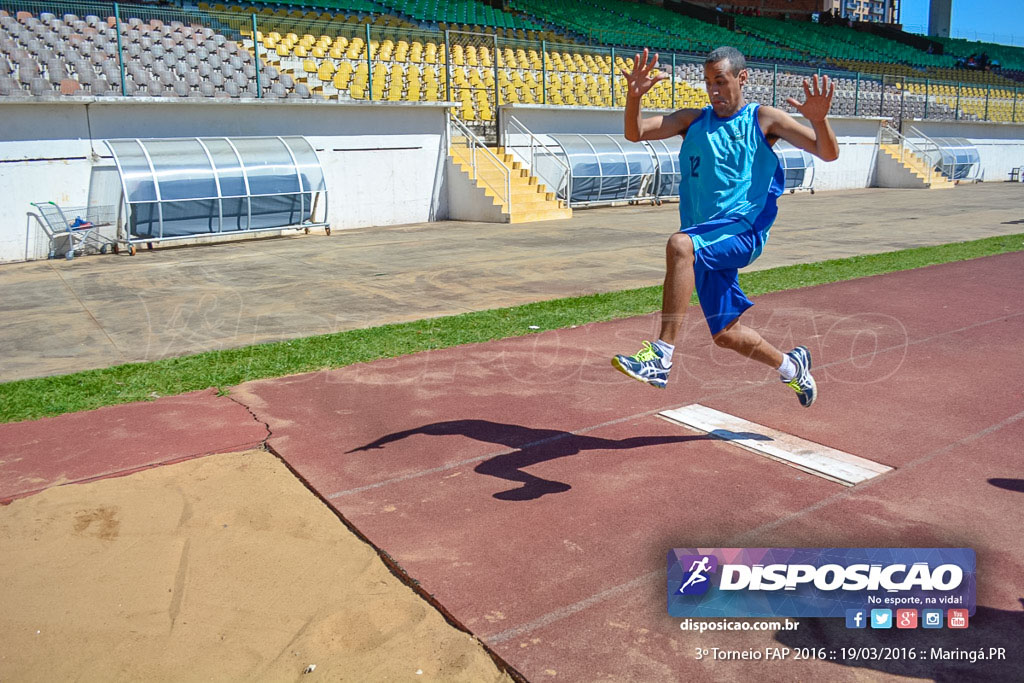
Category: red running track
[533,491]
[118,440]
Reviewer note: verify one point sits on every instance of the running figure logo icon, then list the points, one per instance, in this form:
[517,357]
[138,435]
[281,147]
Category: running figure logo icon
[696,582]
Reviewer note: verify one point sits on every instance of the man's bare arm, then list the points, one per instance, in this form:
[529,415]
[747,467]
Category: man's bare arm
[658,127]
[639,81]
[819,139]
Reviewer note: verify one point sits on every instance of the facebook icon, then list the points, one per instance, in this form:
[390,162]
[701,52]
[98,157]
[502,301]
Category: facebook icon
[856,618]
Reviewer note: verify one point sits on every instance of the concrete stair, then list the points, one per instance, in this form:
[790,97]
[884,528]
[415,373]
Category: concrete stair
[529,201]
[918,168]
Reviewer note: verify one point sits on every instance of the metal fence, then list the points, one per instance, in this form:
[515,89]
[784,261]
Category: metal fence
[132,50]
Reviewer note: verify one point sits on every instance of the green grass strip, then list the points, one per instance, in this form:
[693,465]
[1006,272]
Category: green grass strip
[48,396]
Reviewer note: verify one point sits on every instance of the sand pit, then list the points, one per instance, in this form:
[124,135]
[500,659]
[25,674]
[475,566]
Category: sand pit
[221,568]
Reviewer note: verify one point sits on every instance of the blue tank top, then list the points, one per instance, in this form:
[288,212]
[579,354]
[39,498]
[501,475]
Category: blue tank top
[728,171]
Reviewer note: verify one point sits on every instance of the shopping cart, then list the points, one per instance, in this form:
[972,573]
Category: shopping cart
[81,231]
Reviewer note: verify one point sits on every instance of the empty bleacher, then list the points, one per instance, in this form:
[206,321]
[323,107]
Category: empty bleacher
[631,24]
[50,56]
[1010,58]
[396,50]
[461,12]
[838,43]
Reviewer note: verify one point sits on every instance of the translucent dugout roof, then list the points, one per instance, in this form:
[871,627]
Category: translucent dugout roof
[958,150]
[181,187]
[960,159]
[605,168]
[669,175]
[797,165]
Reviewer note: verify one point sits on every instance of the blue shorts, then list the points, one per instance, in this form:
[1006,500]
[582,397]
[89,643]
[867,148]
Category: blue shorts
[721,247]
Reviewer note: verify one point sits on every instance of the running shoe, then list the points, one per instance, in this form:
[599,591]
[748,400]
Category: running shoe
[647,365]
[802,383]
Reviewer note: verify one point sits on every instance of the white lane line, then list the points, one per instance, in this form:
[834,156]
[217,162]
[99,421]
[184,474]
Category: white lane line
[819,460]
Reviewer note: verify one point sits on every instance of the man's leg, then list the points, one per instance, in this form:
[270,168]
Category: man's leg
[746,341]
[678,289]
[794,367]
[717,278]
[651,364]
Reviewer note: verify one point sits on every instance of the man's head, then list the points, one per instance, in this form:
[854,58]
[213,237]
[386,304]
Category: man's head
[725,73]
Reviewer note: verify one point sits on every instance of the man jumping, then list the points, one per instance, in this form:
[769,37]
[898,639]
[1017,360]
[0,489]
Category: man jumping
[731,180]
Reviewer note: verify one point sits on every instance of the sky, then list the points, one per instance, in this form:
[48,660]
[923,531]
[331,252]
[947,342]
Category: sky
[997,21]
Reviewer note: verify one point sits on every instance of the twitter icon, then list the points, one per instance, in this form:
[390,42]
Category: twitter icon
[881,618]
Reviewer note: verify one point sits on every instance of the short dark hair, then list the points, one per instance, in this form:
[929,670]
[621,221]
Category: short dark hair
[737,62]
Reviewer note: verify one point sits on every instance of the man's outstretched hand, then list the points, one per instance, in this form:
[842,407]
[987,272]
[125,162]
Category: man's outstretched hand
[639,81]
[818,101]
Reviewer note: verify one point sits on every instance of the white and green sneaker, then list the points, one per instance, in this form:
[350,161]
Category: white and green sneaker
[646,365]
[802,383]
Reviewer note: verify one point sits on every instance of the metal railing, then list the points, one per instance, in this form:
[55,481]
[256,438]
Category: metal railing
[931,149]
[923,158]
[522,144]
[960,160]
[468,148]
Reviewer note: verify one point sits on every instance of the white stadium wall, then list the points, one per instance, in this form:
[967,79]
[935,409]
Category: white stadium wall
[547,119]
[1000,145]
[384,163]
[858,152]
[857,137]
